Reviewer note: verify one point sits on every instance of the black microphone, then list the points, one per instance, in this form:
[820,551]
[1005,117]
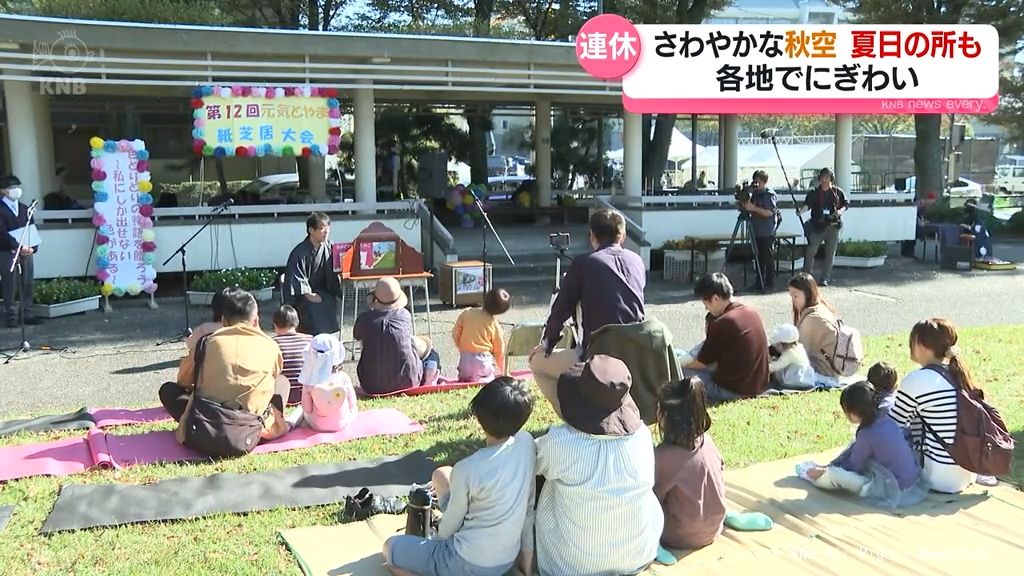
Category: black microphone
[225,204]
[768,133]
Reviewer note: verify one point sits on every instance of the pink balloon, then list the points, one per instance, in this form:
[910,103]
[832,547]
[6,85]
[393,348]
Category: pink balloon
[96,164]
[246,90]
[332,149]
[149,287]
[142,166]
[251,150]
[334,113]
[102,275]
[270,93]
[147,223]
[98,220]
[124,146]
[314,91]
[216,90]
[236,90]
[199,122]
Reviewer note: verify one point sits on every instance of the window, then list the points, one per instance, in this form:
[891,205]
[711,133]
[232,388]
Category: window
[504,124]
[1018,171]
[821,18]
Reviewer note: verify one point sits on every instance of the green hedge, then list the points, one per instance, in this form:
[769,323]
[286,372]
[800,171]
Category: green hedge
[862,249]
[188,193]
[60,290]
[245,278]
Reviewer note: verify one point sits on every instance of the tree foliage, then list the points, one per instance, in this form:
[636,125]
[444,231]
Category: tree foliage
[149,11]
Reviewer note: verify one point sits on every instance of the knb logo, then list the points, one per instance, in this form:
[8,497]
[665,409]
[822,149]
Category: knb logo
[66,56]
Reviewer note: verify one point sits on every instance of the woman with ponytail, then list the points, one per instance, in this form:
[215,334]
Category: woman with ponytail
[926,402]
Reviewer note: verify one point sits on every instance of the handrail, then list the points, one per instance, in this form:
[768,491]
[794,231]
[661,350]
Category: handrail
[632,228]
[715,200]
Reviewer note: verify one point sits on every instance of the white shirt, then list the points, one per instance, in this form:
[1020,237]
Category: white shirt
[794,367]
[490,506]
[598,514]
[926,396]
[12,204]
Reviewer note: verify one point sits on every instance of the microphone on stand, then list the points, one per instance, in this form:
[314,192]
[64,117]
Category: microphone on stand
[768,133]
[224,205]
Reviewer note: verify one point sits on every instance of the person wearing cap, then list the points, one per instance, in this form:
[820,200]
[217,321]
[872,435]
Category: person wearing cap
[827,203]
[393,358]
[597,512]
[328,396]
[13,218]
[311,285]
[791,370]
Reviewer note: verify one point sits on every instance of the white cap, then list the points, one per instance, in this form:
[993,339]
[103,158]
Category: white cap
[785,334]
[324,353]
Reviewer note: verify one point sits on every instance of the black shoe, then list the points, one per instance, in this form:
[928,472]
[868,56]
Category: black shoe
[365,504]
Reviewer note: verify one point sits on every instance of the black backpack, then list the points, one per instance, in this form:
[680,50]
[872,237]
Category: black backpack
[214,428]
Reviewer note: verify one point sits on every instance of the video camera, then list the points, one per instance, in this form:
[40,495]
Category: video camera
[559,241]
[744,192]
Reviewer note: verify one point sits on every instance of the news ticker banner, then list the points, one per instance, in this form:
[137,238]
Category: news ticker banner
[795,69]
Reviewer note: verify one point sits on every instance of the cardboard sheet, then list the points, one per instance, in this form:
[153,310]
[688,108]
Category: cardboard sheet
[816,532]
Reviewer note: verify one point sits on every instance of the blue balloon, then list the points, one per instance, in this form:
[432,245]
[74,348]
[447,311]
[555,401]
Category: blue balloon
[197,92]
[102,262]
[315,149]
[219,151]
[100,197]
[142,154]
[110,146]
[197,133]
[207,90]
[145,198]
[333,103]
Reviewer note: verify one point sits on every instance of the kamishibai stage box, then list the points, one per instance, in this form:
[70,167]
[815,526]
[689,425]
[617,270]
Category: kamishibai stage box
[465,283]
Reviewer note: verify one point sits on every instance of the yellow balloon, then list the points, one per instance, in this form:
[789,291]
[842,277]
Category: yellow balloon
[133,289]
[96,142]
[145,186]
[148,235]
[467,199]
[107,289]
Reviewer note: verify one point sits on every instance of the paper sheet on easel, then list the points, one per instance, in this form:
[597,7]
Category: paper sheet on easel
[32,240]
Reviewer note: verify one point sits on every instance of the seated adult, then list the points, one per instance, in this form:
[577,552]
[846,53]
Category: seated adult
[926,398]
[607,285]
[239,368]
[733,360]
[597,512]
[311,285]
[392,359]
[817,322]
[188,363]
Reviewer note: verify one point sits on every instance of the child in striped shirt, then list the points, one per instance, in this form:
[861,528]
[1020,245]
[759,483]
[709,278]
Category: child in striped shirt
[292,345]
[479,339]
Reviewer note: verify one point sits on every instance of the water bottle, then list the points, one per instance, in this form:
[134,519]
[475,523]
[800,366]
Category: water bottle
[419,512]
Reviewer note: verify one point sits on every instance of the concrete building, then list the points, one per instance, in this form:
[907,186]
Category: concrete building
[66,81]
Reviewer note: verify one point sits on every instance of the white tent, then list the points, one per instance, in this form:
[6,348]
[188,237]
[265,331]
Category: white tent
[795,157]
[679,149]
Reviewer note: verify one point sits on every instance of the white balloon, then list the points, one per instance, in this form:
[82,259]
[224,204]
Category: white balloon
[279,92]
[306,91]
[225,92]
[138,144]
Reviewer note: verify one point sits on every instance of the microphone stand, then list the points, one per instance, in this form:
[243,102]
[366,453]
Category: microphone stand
[18,272]
[789,183]
[488,224]
[184,272]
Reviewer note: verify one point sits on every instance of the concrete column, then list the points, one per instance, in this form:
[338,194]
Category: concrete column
[720,177]
[365,145]
[633,154]
[30,138]
[844,152]
[317,179]
[730,152]
[542,151]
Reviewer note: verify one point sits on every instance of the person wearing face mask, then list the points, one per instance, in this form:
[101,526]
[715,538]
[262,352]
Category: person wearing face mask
[14,217]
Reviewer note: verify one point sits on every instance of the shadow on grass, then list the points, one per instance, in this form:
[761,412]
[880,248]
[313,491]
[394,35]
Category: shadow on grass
[823,502]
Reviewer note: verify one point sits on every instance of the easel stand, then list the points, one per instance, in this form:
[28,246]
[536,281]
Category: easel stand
[187,331]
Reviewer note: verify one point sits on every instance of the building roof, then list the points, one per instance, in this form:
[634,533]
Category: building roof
[132,55]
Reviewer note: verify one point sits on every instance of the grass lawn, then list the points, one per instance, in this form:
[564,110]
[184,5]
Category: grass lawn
[746,433]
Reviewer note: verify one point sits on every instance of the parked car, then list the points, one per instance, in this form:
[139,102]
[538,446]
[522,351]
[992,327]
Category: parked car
[961,190]
[281,189]
[1009,179]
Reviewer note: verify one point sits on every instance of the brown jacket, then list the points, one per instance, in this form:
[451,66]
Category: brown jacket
[241,367]
[819,329]
[188,363]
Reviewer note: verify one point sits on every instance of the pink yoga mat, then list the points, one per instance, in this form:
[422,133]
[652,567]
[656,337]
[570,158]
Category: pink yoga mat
[98,449]
[446,385]
[107,417]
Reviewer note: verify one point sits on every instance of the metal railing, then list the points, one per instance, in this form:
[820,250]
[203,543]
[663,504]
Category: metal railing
[633,230]
[239,212]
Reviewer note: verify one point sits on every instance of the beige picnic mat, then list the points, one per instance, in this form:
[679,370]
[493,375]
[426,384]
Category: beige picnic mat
[815,533]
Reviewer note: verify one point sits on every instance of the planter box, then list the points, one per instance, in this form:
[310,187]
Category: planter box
[852,262]
[206,298]
[790,266]
[677,264]
[67,308]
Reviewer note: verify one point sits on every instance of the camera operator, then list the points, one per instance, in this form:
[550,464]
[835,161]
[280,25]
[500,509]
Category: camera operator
[607,285]
[827,204]
[762,207]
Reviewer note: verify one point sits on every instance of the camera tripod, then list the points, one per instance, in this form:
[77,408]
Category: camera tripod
[744,231]
[572,324]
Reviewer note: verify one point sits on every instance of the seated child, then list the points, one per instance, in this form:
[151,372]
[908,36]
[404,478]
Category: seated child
[688,468]
[328,396]
[487,498]
[791,370]
[880,465]
[478,338]
[884,379]
[292,344]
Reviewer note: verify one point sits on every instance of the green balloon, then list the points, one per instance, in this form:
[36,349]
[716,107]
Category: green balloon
[207,150]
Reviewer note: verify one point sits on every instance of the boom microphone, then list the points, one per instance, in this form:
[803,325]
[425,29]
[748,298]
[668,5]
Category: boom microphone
[768,133]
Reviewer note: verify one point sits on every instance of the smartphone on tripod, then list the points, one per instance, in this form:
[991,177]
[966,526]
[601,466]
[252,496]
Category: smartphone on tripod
[560,242]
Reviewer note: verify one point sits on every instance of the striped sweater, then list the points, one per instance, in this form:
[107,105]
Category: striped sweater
[292,346]
[925,396]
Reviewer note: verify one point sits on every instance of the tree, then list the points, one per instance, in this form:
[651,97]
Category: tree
[1010,114]
[886,124]
[549,19]
[788,125]
[156,11]
[1007,17]
[657,143]
[417,130]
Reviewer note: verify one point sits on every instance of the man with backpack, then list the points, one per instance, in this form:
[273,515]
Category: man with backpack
[235,399]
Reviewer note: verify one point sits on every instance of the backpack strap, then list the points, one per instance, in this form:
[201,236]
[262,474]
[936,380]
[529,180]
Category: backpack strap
[200,356]
[942,371]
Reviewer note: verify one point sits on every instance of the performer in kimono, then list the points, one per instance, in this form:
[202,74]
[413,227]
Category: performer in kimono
[311,285]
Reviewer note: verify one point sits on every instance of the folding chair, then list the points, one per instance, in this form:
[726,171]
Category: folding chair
[525,337]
